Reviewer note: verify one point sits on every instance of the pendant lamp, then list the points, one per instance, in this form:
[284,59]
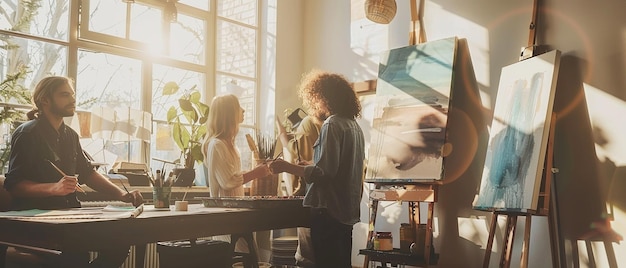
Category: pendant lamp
[380,11]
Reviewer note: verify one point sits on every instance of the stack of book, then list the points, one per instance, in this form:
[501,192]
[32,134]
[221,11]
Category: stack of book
[284,250]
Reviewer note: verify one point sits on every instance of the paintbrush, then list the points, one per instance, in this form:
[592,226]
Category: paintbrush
[63,173]
[252,146]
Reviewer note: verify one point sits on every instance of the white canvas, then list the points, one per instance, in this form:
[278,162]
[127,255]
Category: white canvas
[518,137]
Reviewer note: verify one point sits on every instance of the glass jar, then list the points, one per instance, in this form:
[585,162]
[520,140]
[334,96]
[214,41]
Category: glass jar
[385,241]
[407,237]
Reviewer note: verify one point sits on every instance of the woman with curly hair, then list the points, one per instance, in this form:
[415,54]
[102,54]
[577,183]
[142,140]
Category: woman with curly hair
[335,176]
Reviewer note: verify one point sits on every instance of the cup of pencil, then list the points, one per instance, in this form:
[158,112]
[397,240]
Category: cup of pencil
[161,196]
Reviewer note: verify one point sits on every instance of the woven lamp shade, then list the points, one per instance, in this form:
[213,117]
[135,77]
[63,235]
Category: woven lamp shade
[380,11]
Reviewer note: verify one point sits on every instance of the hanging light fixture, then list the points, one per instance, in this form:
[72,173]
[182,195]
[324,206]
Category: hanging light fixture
[380,11]
[128,1]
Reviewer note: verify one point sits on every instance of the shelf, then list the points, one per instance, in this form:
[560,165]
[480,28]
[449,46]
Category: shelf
[396,257]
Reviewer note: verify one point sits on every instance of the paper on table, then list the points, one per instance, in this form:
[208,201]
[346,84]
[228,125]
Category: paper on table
[76,213]
[117,208]
[48,213]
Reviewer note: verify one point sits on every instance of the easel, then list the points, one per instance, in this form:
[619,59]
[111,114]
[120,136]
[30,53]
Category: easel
[414,193]
[545,207]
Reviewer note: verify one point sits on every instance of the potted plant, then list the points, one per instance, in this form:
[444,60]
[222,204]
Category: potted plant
[188,120]
[13,94]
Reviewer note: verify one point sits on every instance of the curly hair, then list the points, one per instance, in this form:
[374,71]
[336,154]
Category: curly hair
[325,93]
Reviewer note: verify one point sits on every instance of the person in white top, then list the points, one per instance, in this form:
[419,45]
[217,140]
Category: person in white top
[221,156]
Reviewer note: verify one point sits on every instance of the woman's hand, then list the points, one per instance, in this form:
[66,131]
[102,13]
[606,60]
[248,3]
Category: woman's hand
[133,197]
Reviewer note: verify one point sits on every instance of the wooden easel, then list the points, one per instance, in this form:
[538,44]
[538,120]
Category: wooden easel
[414,193]
[545,207]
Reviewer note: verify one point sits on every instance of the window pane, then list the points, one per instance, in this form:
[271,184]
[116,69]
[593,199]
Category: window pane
[40,58]
[185,80]
[108,17]
[50,19]
[236,49]
[188,38]
[244,90]
[165,147]
[244,11]
[106,80]
[146,26]
[201,4]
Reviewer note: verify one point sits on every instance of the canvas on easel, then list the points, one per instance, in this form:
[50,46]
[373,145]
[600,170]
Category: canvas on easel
[411,113]
[518,137]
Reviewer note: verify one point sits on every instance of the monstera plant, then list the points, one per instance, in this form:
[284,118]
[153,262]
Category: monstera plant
[188,120]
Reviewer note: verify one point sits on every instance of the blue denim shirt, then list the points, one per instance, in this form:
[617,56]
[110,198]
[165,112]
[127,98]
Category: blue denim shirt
[336,178]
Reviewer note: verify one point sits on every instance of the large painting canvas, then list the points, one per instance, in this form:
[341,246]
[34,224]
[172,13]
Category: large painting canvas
[410,112]
[519,132]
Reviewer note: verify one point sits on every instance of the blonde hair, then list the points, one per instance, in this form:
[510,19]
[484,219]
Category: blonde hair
[44,90]
[222,122]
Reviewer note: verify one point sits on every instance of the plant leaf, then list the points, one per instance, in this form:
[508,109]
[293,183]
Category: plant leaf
[196,152]
[185,105]
[170,88]
[194,97]
[181,136]
[171,114]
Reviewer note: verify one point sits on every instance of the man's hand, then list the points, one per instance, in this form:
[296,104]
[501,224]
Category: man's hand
[133,197]
[65,186]
[278,165]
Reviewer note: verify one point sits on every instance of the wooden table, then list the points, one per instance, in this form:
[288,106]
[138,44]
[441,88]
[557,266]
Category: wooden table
[151,226]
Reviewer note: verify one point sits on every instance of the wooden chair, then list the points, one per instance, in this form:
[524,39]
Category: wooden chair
[10,255]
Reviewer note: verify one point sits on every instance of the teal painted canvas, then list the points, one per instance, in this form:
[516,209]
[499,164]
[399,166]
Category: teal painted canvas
[411,112]
[518,137]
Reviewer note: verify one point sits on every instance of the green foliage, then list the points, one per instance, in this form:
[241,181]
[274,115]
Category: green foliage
[12,90]
[188,121]
[29,8]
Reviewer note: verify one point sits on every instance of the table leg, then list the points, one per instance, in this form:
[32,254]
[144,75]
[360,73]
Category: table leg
[140,255]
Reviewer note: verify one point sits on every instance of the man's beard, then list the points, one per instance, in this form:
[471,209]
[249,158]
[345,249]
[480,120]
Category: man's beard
[66,111]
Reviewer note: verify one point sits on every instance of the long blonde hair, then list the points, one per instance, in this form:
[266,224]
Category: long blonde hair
[44,90]
[223,114]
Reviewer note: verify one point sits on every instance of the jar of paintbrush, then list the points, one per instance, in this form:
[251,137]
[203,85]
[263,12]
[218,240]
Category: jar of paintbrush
[161,190]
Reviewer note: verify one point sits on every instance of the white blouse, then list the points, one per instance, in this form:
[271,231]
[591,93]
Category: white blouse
[225,177]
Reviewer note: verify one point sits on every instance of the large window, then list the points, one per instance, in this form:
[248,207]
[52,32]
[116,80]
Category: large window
[121,54]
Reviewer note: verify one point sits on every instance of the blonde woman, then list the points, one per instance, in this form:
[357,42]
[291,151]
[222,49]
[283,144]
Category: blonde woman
[221,157]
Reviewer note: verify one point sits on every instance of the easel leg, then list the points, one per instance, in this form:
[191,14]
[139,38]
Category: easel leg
[505,259]
[526,244]
[370,232]
[429,233]
[492,232]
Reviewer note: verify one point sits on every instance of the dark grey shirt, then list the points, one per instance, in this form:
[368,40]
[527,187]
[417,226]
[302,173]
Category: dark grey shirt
[336,178]
[32,145]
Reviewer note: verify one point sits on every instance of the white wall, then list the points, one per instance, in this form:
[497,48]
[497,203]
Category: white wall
[590,150]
